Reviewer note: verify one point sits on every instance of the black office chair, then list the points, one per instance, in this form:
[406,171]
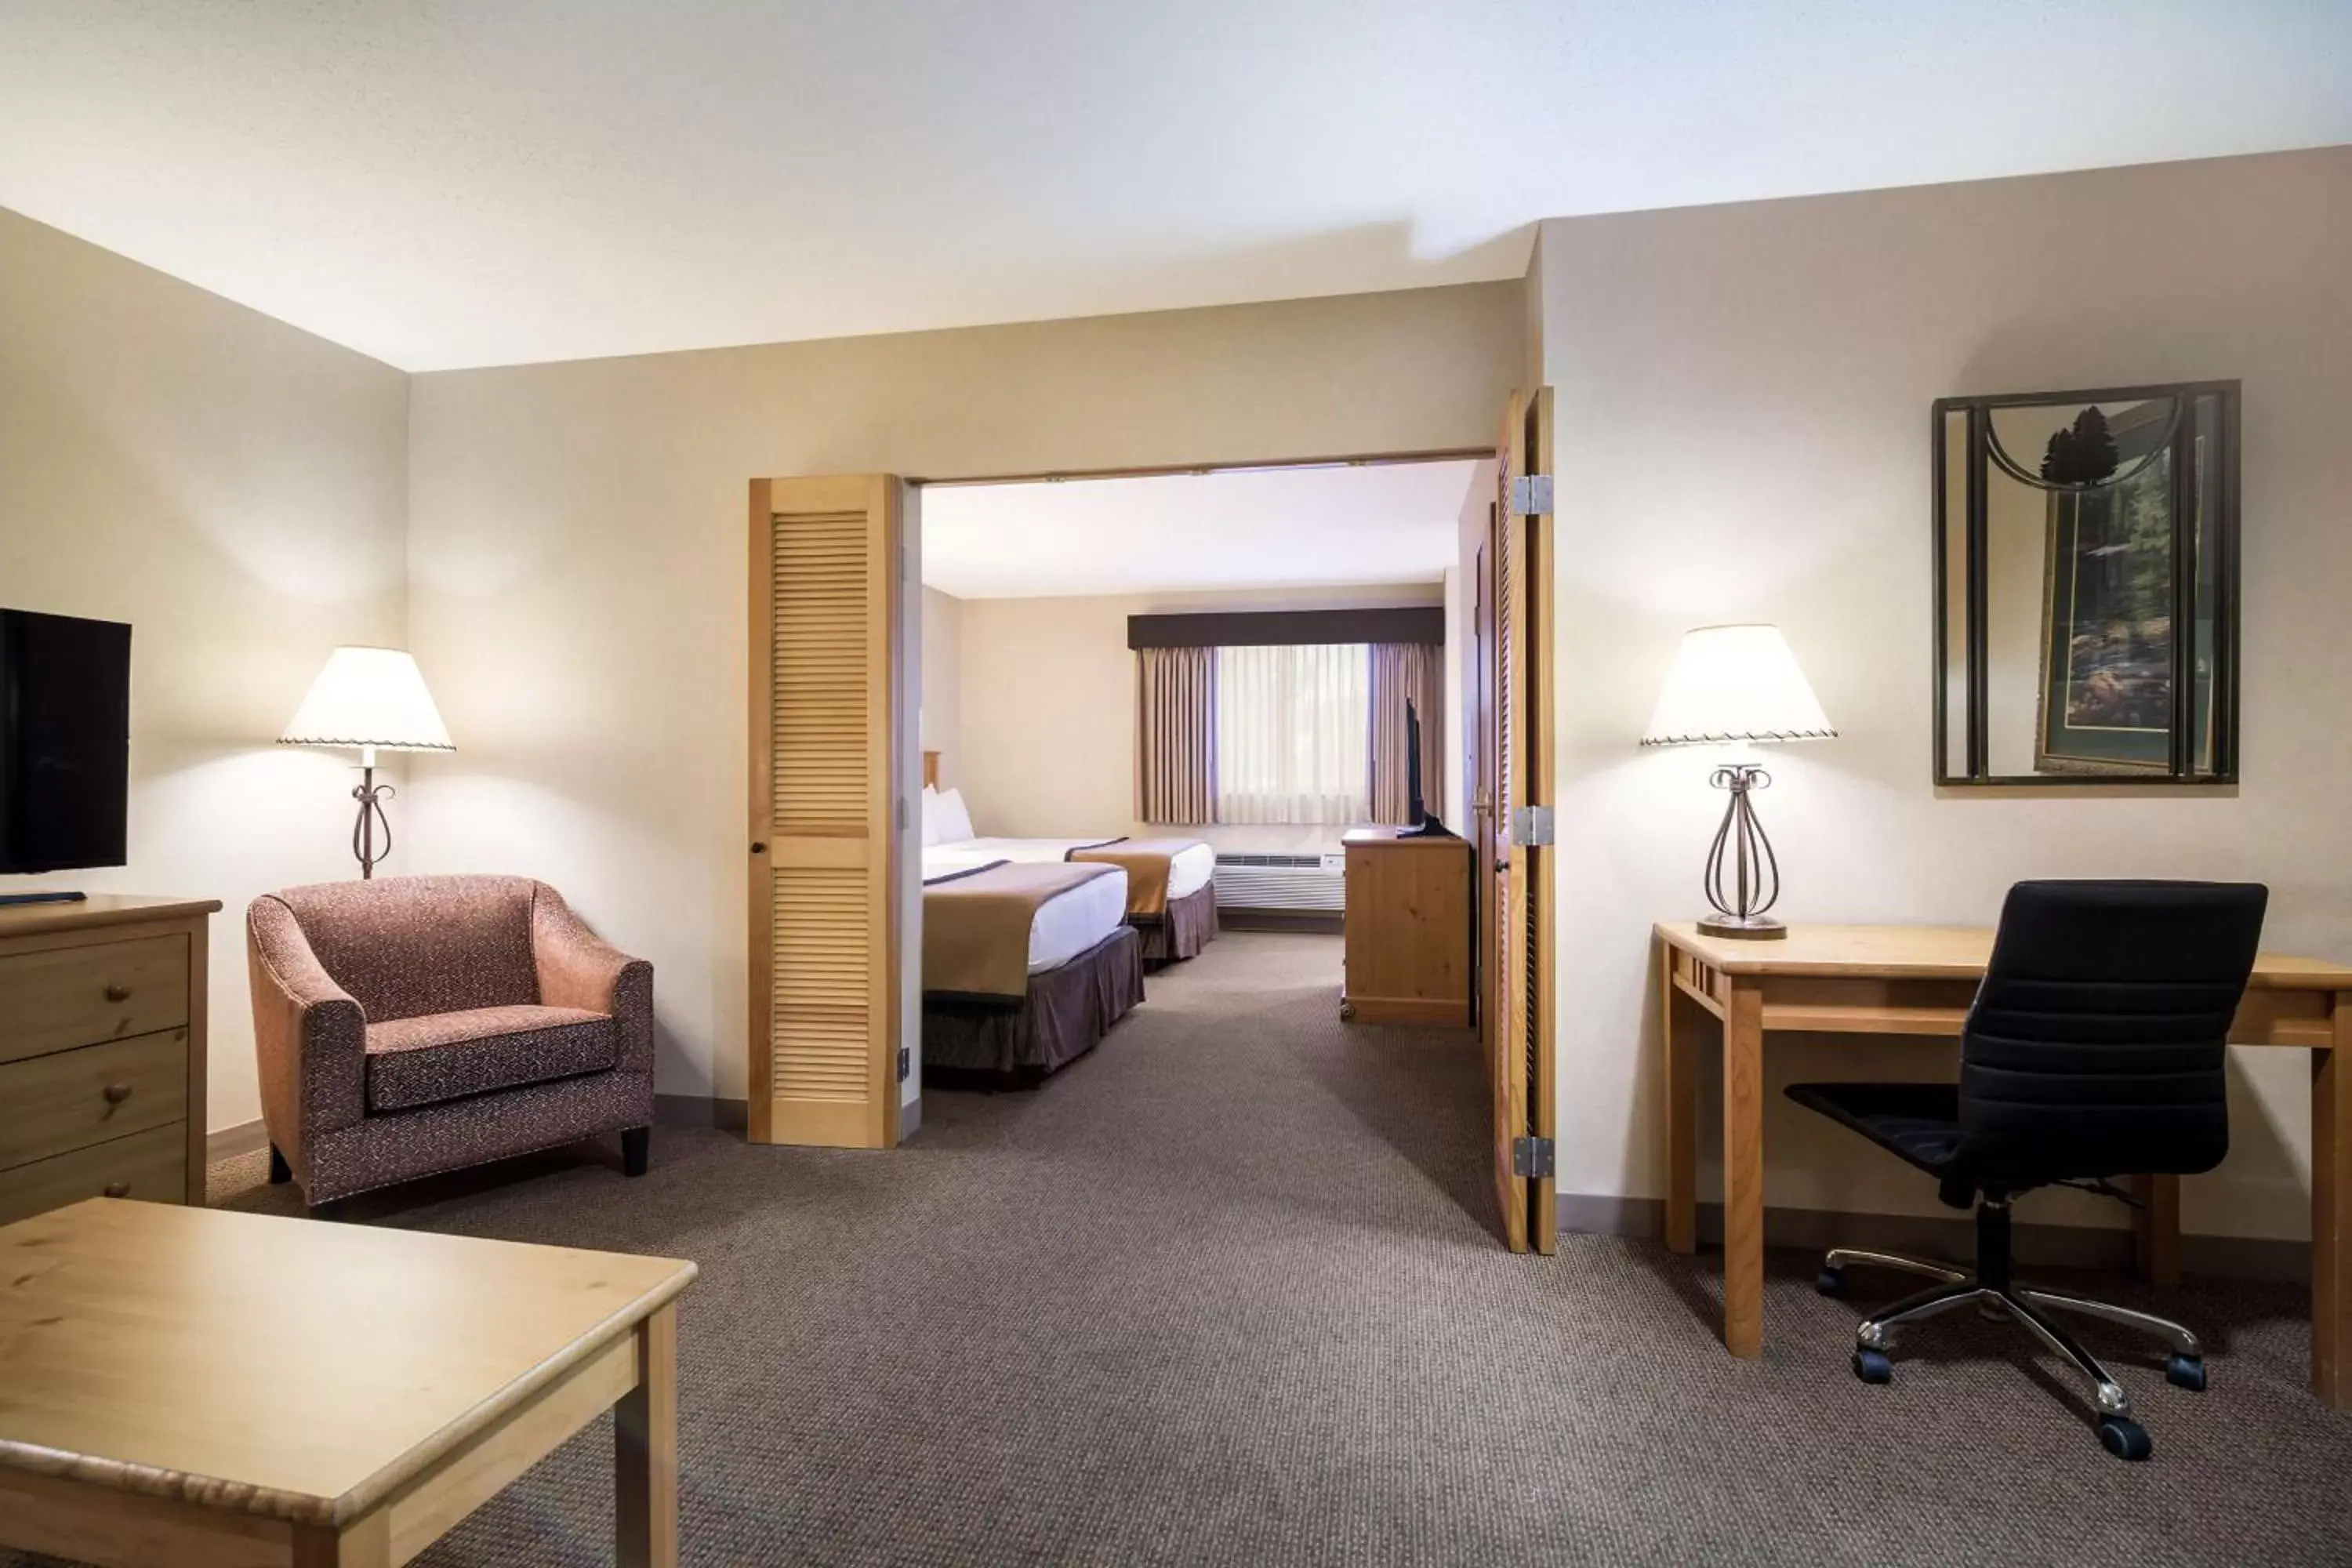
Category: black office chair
[2094,1049]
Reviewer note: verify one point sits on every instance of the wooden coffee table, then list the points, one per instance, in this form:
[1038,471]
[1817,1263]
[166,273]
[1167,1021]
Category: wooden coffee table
[215,1390]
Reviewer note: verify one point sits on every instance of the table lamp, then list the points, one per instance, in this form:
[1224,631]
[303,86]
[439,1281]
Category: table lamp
[373,699]
[1728,685]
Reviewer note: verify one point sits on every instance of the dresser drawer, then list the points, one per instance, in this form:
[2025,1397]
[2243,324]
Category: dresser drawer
[78,996]
[94,1094]
[151,1166]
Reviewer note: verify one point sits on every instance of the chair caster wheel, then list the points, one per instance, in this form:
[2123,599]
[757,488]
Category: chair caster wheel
[2124,1437]
[1831,1282]
[2186,1372]
[1871,1366]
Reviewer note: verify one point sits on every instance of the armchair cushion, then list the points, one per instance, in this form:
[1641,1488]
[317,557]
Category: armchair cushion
[446,1056]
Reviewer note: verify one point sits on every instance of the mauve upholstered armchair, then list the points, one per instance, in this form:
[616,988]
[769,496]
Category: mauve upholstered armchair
[413,1024]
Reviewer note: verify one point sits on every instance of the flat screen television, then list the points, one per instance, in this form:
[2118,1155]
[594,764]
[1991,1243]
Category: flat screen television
[1421,823]
[65,741]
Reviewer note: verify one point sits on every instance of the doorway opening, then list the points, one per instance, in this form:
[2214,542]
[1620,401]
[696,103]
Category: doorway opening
[1134,710]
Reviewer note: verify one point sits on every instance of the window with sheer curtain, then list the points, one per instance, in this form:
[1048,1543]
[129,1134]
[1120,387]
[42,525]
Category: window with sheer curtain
[1294,732]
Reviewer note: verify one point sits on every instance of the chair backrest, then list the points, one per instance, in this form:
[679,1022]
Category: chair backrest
[407,946]
[2096,1044]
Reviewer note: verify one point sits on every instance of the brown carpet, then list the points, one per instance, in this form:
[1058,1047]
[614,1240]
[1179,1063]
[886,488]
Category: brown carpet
[1226,1291]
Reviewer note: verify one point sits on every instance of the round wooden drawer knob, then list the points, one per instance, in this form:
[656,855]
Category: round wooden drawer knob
[118,1189]
[118,991]
[115,1093]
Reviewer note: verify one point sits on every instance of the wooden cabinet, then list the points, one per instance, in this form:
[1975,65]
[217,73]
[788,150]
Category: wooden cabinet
[1408,925]
[101,1052]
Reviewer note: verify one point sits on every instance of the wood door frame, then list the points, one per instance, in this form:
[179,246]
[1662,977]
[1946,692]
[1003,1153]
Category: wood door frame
[1218,466]
[904,691]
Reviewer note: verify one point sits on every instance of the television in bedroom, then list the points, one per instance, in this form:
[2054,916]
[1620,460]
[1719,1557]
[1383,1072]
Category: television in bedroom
[65,743]
[1421,823]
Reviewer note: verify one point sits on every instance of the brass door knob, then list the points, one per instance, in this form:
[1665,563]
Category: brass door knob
[118,991]
[115,1093]
[118,1189]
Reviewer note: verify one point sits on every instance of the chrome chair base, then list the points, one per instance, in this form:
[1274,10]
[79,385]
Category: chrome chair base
[1956,1288]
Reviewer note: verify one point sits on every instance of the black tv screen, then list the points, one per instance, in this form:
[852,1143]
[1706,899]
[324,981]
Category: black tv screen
[65,741]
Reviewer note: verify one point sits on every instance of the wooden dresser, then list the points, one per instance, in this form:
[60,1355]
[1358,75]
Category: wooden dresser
[1408,925]
[102,1051]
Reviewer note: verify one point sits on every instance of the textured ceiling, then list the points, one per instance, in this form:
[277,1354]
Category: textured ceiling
[455,184]
[1267,528]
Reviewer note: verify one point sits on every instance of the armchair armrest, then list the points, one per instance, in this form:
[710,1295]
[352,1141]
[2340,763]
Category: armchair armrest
[309,1036]
[577,968]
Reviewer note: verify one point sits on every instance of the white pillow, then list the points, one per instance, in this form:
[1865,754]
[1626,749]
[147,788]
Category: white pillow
[955,821]
[931,817]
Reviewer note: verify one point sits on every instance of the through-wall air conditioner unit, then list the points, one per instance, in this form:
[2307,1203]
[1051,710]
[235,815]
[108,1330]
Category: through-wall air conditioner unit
[1313,883]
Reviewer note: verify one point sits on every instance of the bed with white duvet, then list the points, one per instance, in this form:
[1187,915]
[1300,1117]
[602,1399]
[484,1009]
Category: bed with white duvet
[1170,890]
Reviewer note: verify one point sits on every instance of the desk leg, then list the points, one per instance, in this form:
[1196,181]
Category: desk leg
[645,1450]
[1743,1170]
[2331,1213]
[365,1543]
[2155,1229]
[1682,1110]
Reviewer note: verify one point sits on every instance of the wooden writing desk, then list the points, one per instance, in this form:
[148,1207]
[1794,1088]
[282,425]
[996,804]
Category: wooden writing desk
[1920,980]
[215,1390]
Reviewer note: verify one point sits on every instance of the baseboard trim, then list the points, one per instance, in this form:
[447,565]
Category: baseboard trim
[701,1110]
[1321,922]
[229,1142]
[1936,1236]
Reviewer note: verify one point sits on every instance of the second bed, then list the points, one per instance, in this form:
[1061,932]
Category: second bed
[1172,895]
[1026,964]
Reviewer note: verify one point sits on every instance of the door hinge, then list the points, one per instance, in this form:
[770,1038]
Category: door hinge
[1531,1156]
[906,1063]
[1531,495]
[1531,825]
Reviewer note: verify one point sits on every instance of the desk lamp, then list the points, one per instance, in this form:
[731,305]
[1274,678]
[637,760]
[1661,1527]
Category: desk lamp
[1729,685]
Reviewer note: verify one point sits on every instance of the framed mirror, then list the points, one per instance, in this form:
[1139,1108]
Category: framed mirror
[2086,586]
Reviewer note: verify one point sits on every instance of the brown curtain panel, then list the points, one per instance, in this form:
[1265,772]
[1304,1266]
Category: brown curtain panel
[1401,671]
[1176,735]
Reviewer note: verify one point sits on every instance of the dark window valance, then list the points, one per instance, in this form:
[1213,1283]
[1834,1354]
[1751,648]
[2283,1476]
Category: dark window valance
[1266,628]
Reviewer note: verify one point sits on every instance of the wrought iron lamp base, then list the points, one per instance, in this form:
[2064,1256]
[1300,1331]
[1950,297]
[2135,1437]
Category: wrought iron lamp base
[372,819]
[1755,928]
[1754,885]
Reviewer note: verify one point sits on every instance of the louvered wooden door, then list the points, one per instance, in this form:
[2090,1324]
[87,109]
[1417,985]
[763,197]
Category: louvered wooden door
[1540,880]
[825,610]
[1505,965]
[1520,976]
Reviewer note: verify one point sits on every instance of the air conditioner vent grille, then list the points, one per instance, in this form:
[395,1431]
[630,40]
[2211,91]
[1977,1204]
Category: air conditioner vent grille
[1279,882]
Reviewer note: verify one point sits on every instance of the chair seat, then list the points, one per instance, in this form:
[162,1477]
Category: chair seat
[1919,1122]
[447,1055]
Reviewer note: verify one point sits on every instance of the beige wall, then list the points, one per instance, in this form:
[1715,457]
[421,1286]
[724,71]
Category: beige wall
[236,491]
[577,540]
[1743,432]
[1049,711]
[942,710]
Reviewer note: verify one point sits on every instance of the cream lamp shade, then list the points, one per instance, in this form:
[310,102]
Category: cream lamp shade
[370,697]
[1736,683]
